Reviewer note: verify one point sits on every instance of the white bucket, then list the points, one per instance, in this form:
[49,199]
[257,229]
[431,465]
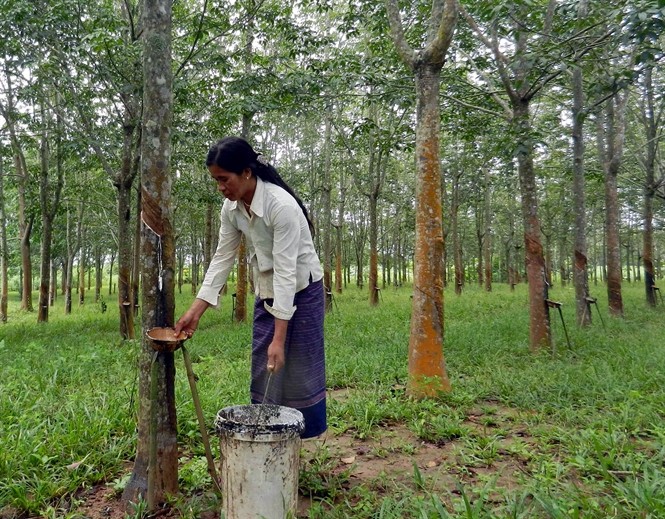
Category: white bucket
[260,456]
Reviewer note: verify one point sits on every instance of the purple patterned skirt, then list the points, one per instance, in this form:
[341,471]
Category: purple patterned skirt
[301,384]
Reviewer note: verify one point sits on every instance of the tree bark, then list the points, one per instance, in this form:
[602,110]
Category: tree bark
[123,183]
[427,370]
[648,116]
[454,232]
[339,232]
[613,148]
[49,201]
[539,329]
[25,219]
[487,241]
[326,189]
[4,253]
[155,474]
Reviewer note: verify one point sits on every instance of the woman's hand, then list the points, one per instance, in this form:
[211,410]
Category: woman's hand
[276,357]
[189,321]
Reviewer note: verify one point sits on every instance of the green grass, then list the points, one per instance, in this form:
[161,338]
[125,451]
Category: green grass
[592,415]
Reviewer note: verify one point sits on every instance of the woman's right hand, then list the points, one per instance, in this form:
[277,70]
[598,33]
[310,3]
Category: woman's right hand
[189,321]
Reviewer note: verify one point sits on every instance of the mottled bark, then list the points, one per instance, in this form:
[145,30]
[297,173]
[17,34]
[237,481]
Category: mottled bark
[651,128]
[136,259]
[243,267]
[539,318]
[209,236]
[614,133]
[25,219]
[99,272]
[487,238]
[454,232]
[326,188]
[339,232]
[123,183]
[373,278]
[4,253]
[83,260]
[427,370]
[155,474]
[49,201]
[241,288]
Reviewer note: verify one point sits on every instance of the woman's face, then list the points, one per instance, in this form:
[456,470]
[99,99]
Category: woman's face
[231,185]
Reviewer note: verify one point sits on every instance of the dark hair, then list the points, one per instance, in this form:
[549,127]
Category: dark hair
[235,154]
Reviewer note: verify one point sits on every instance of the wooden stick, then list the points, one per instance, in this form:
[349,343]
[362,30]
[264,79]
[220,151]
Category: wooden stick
[199,414]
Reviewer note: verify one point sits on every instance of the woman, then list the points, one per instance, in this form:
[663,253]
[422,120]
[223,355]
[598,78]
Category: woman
[287,333]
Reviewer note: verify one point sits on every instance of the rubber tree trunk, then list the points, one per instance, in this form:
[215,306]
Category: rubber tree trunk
[339,232]
[48,202]
[487,240]
[427,369]
[539,318]
[155,474]
[4,253]
[125,241]
[648,115]
[326,189]
[580,273]
[614,133]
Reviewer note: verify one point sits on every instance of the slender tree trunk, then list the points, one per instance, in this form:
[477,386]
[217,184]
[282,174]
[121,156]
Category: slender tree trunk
[648,115]
[4,253]
[53,289]
[373,274]
[83,258]
[68,276]
[111,264]
[454,231]
[155,474]
[136,261]
[339,231]
[615,131]
[209,237]
[25,230]
[99,267]
[243,268]
[47,225]
[25,219]
[487,241]
[326,189]
[539,328]
[125,259]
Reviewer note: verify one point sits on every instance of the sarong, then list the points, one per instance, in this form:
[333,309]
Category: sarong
[301,384]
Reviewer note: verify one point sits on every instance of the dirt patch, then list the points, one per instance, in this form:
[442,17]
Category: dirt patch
[101,502]
[497,447]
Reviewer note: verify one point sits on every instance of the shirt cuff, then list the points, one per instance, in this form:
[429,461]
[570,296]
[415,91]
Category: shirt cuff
[279,314]
[209,295]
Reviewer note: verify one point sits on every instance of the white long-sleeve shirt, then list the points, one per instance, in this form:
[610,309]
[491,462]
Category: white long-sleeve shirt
[279,245]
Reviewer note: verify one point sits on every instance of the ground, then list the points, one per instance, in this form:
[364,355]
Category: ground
[392,455]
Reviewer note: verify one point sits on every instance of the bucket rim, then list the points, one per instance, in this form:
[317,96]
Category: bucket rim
[244,419]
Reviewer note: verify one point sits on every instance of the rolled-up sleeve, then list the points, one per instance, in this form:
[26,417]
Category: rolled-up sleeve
[286,239]
[223,259]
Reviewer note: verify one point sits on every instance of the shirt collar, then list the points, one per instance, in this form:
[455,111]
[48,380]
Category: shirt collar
[257,201]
